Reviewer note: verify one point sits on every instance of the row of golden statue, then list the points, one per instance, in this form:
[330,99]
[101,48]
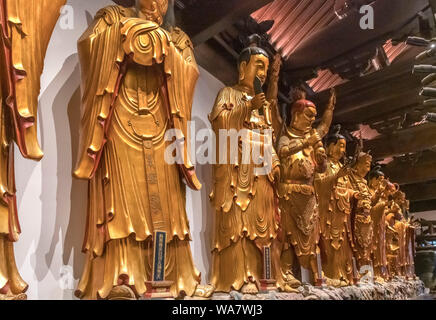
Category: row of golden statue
[313,217]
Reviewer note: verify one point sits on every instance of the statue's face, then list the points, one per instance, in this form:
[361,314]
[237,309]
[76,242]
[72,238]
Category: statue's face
[376,181]
[380,180]
[337,150]
[256,67]
[363,165]
[304,119]
[153,10]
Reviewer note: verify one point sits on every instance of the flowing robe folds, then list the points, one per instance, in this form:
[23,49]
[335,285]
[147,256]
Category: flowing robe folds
[25,30]
[378,217]
[244,201]
[361,221]
[298,201]
[392,248]
[138,81]
[400,227]
[336,243]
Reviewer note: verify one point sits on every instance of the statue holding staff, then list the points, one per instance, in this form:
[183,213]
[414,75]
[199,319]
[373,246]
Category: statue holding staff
[138,82]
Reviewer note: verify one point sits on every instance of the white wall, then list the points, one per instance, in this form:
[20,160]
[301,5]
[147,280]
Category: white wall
[52,206]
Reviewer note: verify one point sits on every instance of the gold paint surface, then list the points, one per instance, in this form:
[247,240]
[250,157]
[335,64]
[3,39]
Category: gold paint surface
[26,33]
[132,190]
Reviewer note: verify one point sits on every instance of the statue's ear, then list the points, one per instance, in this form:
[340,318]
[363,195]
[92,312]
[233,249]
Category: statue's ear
[242,68]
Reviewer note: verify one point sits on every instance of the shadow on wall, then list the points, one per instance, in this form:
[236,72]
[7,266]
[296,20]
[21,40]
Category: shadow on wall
[78,195]
[69,199]
[207,213]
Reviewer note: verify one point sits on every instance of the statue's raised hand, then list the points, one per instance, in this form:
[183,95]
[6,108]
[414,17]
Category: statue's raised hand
[276,65]
[332,100]
[344,171]
[314,138]
[258,101]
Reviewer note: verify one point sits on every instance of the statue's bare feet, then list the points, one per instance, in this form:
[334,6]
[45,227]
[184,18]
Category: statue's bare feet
[204,291]
[379,280]
[333,282]
[291,281]
[249,288]
[344,283]
[287,288]
[121,293]
[11,296]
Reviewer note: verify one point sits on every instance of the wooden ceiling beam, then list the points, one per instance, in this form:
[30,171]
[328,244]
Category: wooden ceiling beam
[346,36]
[410,140]
[221,66]
[205,19]
[422,206]
[407,172]
[420,191]
[376,95]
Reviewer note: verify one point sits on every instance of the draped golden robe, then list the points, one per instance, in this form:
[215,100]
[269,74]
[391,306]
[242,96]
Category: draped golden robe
[298,200]
[127,106]
[402,263]
[244,202]
[362,225]
[25,30]
[410,249]
[378,217]
[336,243]
[400,227]
[392,250]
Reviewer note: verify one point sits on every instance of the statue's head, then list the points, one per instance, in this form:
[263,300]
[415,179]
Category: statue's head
[363,164]
[376,177]
[399,196]
[303,112]
[336,144]
[153,10]
[253,62]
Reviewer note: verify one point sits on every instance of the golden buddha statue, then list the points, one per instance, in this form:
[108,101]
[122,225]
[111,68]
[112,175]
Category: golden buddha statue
[362,225]
[246,218]
[280,250]
[336,195]
[392,245]
[302,155]
[380,189]
[138,81]
[401,227]
[25,30]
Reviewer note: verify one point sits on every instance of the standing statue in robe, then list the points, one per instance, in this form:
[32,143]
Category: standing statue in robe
[396,235]
[361,222]
[336,196]
[302,155]
[246,209]
[380,190]
[410,239]
[392,243]
[401,227]
[138,81]
[25,30]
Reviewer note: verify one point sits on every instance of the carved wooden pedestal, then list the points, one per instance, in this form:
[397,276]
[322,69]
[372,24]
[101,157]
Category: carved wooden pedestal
[267,285]
[158,290]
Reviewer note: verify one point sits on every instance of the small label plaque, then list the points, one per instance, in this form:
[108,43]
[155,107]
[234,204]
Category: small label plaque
[160,238]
